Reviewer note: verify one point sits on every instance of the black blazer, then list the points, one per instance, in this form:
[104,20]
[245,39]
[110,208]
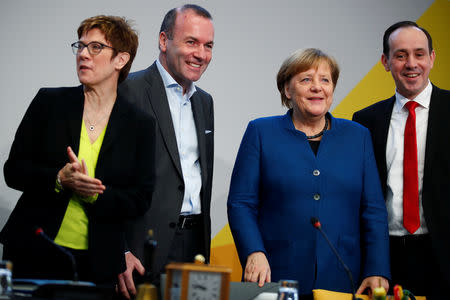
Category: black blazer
[146,90]
[125,166]
[436,180]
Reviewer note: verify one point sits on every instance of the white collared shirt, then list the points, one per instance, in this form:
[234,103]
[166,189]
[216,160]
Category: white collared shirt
[186,135]
[394,159]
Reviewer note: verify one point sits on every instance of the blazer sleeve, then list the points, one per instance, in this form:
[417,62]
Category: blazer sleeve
[25,168]
[132,199]
[243,197]
[374,224]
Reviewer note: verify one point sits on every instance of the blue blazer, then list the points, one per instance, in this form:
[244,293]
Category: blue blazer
[278,184]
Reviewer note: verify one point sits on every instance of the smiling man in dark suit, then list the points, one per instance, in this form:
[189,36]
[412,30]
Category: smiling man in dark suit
[180,210]
[410,133]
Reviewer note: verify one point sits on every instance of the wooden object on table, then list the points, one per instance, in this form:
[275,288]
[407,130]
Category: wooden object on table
[197,281]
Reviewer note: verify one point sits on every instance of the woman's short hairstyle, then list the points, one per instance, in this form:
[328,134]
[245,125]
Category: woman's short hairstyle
[118,32]
[300,61]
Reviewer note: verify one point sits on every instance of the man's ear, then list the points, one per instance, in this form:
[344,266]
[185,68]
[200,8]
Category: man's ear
[384,61]
[163,41]
[432,57]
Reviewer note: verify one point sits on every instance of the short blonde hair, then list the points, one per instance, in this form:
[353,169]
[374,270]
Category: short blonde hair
[300,61]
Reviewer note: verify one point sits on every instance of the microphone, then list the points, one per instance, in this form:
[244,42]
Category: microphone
[149,254]
[316,224]
[40,232]
[147,290]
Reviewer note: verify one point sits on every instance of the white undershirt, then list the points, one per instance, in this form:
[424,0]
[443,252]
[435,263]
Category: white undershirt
[394,159]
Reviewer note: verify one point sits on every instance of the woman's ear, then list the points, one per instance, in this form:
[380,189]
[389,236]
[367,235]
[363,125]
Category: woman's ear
[122,59]
[286,90]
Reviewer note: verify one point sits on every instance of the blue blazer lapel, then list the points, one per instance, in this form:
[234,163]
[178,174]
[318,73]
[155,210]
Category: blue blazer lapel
[156,93]
[199,118]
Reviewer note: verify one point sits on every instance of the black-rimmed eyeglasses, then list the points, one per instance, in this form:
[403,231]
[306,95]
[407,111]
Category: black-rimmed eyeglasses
[94,48]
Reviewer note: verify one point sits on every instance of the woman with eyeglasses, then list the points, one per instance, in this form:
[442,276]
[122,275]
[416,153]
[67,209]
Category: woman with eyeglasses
[83,158]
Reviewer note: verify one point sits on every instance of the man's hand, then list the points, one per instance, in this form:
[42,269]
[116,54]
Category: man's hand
[257,268]
[126,284]
[373,282]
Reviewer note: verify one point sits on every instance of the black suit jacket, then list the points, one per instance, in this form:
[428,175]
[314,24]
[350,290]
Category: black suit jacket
[436,180]
[125,166]
[146,90]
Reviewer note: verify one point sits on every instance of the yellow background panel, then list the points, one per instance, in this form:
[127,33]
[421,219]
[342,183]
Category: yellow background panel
[224,253]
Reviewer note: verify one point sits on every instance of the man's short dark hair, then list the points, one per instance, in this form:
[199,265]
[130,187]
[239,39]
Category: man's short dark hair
[169,19]
[403,24]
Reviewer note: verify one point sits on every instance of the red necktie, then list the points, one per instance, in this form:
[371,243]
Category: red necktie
[411,218]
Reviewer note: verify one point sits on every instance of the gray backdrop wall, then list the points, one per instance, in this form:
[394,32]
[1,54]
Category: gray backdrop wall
[252,38]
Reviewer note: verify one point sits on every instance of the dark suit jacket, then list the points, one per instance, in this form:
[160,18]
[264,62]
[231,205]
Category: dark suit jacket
[146,90]
[125,166]
[436,180]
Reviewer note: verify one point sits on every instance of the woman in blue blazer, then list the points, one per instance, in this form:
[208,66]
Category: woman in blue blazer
[307,164]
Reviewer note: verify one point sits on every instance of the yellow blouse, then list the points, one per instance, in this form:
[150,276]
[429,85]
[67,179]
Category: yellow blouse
[73,232]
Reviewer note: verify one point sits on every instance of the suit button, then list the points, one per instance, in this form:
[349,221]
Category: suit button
[172,224]
[316,172]
[316,197]
[181,188]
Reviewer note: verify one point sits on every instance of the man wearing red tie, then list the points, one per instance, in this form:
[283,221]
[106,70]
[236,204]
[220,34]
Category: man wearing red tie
[411,138]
